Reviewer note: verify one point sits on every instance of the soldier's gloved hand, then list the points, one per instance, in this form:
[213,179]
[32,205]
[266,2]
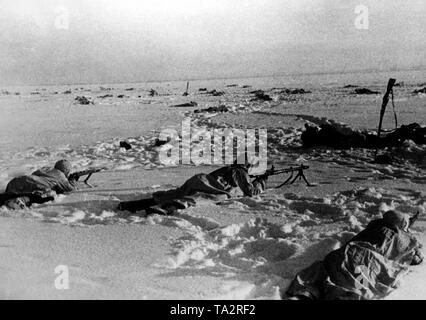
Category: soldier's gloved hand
[259,184]
[260,181]
[417,259]
[74,184]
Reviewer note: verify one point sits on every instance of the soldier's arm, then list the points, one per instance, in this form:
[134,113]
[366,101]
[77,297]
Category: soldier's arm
[260,183]
[64,186]
[249,189]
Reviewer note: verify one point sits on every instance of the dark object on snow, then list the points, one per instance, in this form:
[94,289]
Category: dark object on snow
[129,89]
[256,92]
[333,136]
[246,86]
[202,89]
[369,266]
[67,92]
[120,96]
[231,85]
[295,91]
[105,96]
[153,93]
[159,143]
[300,174]
[412,131]
[125,145]
[418,91]
[292,91]
[299,91]
[261,95]
[364,91]
[83,100]
[187,104]
[221,108]
[350,86]
[215,93]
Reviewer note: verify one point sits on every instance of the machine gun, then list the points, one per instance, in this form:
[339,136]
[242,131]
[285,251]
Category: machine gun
[75,176]
[290,180]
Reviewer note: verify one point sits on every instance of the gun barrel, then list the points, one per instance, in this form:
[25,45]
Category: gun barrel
[76,175]
[291,169]
[284,170]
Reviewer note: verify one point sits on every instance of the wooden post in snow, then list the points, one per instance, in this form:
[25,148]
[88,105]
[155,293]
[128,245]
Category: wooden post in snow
[187,88]
[389,91]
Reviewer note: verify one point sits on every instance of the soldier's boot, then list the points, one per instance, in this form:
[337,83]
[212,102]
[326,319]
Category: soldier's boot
[138,205]
[18,203]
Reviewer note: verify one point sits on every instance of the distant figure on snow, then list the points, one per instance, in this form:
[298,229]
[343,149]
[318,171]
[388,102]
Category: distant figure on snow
[38,187]
[369,266]
[222,181]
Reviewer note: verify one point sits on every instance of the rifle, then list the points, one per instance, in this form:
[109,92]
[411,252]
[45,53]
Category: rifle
[290,180]
[76,175]
[413,219]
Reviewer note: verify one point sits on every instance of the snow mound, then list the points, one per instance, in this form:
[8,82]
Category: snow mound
[247,250]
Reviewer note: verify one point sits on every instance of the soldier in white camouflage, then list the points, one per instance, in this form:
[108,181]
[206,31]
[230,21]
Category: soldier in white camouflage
[40,186]
[224,181]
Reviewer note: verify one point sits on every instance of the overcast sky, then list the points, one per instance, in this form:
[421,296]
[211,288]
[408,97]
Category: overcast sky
[142,40]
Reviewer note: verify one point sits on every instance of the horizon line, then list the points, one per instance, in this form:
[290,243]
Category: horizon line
[254,76]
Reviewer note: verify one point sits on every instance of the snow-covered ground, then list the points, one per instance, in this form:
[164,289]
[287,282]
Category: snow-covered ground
[240,248]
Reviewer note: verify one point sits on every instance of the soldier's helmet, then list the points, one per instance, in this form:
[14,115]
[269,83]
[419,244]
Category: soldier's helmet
[64,166]
[397,220]
[247,160]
